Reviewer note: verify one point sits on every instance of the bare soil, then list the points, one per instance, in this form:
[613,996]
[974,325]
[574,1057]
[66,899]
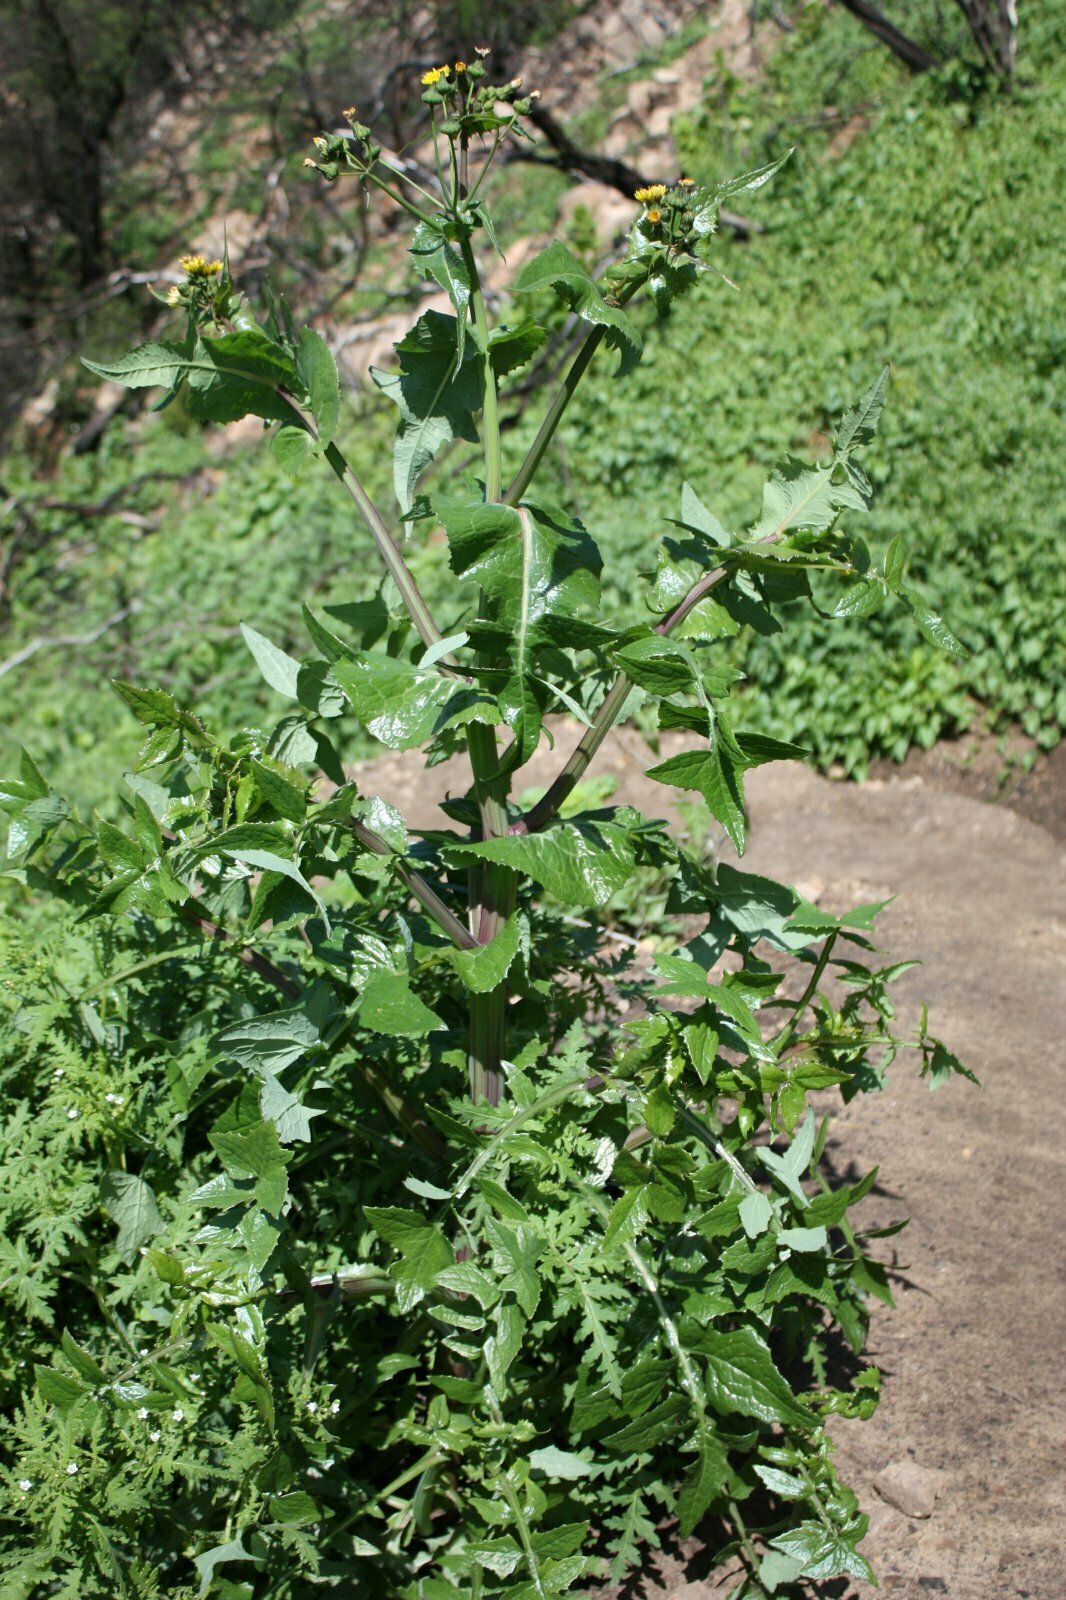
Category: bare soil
[961,1468]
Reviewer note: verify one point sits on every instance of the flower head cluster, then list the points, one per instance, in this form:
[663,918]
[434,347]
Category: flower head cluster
[207,294]
[652,191]
[199,266]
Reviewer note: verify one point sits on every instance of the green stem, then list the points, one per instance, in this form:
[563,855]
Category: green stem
[782,1039]
[493,887]
[563,396]
[130,972]
[607,716]
[426,896]
[388,549]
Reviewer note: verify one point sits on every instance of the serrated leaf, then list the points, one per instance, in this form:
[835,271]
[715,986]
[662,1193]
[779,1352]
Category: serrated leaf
[803,497]
[437,258]
[582,862]
[288,801]
[421,1246]
[317,371]
[486,967]
[743,1381]
[403,704]
[292,447]
[558,269]
[436,398]
[824,1552]
[565,1467]
[387,1004]
[131,1204]
[704,1481]
[57,1389]
[255,1151]
[858,425]
[662,666]
[662,1422]
[931,625]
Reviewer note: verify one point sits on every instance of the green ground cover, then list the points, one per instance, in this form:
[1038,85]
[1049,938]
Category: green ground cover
[931,242]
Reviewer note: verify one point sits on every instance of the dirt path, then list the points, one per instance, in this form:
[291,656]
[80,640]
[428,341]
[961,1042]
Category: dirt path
[961,1470]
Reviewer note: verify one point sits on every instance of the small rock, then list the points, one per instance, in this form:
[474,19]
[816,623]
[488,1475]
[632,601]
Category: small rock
[910,1488]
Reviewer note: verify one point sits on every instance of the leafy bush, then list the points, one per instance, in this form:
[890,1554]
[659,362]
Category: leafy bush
[376,1227]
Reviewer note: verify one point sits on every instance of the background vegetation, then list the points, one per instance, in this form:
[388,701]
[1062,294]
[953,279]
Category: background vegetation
[926,238]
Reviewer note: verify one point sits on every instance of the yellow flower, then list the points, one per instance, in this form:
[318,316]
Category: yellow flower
[435,74]
[686,183]
[654,191]
[655,215]
[460,66]
[193,264]
[349,112]
[174,296]
[213,268]
[319,142]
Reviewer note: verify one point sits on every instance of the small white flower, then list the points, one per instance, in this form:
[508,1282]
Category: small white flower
[72,1112]
[155,1436]
[142,1412]
[25,1484]
[195,1376]
[109,1098]
[179,1415]
[72,1467]
[143,1351]
[334,1407]
[58,1073]
[312,1406]
[119,1099]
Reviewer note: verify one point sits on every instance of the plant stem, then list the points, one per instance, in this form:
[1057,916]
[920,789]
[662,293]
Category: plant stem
[493,888]
[607,716]
[388,549]
[563,396]
[426,896]
[782,1039]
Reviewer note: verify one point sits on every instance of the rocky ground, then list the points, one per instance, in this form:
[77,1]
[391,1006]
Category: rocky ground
[961,1468]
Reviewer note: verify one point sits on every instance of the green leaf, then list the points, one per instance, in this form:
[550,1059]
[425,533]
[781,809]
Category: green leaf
[717,776]
[317,371]
[286,799]
[273,1041]
[858,425]
[931,625]
[504,1343]
[255,1151]
[279,669]
[294,1510]
[486,967]
[130,1203]
[536,567]
[581,862]
[217,1557]
[57,1389]
[824,1552]
[557,269]
[861,599]
[120,853]
[743,1381]
[387,1004]
[292,447]
[437,258]
[511,348]
[422,1249]
[652,1429]
[85,1365]
[662,666]
[803,1239]
[516,1252]
[403,704]
[437,399]
[756,1214]
[563,1466]
[797,496]
[704,1482]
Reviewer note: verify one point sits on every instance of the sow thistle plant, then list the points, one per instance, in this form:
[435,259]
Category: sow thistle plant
[439,1247]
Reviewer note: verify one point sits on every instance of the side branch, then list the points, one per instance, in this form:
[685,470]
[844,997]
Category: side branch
[427,897]
[607,716]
